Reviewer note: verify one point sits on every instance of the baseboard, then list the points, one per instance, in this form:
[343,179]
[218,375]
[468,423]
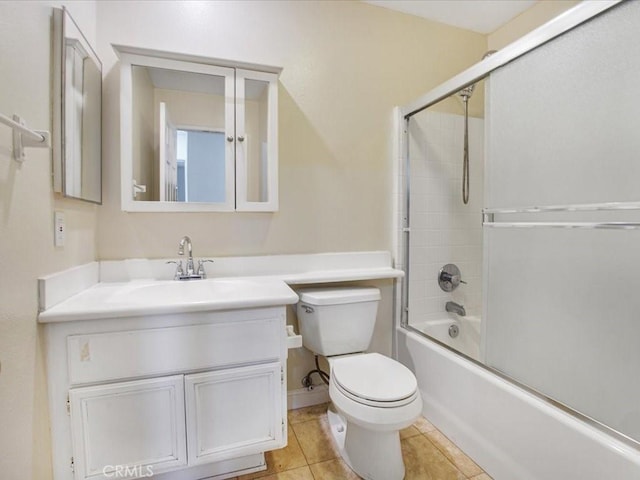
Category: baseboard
[303,397]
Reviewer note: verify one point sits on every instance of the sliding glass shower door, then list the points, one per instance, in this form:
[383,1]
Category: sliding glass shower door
[562,220]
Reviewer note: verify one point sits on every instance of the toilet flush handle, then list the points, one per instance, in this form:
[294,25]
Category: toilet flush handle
[307,308]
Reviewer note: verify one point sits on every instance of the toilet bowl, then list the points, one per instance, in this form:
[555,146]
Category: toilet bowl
[373,396]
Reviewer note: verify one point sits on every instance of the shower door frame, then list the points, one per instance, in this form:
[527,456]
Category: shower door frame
[556,27]
[574,17]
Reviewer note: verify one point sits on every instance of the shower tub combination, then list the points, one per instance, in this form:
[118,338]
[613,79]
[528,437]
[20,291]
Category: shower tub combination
[510,432]
[461,334]
[520,377]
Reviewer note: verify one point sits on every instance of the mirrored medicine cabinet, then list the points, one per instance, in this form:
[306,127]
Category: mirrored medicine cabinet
[77,112]
[197,134]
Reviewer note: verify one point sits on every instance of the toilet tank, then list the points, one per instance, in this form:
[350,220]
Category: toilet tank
[337,321]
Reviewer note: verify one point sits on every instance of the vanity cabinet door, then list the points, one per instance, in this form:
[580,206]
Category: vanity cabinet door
[234,412]
[137,425]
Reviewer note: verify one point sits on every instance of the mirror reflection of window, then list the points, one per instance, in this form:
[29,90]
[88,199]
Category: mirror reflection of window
[169,101]
[201,166]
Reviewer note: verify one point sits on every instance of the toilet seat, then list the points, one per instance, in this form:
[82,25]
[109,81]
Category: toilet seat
[374,380]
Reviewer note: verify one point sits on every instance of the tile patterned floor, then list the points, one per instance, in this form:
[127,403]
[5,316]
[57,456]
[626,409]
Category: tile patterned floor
[310,454]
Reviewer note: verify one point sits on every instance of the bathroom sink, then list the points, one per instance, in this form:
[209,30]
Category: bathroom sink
[140,298]
[192,291]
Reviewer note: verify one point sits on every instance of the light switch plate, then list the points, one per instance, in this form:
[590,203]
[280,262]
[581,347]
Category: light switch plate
[60,229]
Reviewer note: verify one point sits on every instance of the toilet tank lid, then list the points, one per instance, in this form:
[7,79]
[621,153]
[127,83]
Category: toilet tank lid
[336,296]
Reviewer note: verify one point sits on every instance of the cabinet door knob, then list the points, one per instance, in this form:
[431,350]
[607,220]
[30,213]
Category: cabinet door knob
[229,138]
[241,139]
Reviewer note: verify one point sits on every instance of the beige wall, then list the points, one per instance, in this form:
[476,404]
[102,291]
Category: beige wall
[26,234]
[345,66]
[530,19]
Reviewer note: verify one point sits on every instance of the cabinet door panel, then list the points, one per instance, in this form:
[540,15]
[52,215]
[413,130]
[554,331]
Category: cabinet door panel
[256,141]
[234,412]
[137,424]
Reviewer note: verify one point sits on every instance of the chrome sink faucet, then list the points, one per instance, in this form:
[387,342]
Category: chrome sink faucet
[191,273]
[187,241]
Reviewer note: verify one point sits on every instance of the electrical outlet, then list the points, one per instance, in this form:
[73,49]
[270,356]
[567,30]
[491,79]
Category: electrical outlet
[60,229]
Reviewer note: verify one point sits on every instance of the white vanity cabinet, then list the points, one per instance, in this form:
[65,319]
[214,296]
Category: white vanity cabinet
[182,396]
[234,412]
[139,424]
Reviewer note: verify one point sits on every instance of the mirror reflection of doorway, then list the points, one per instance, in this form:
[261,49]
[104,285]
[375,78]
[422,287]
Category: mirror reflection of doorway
[201,165]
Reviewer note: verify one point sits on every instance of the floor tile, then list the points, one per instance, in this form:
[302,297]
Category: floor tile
[283,459]
[303,473]
[315,440]
[423,461]
[308,413]
[482,476]
[333,470]
[408,432]
[454,454]
[424,425]
[311,454]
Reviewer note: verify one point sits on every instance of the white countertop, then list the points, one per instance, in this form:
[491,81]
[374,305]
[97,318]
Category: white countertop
[149,297]
[137,287]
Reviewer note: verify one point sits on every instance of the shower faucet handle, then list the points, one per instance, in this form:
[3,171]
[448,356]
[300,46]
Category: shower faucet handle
[449,277]
[454,279]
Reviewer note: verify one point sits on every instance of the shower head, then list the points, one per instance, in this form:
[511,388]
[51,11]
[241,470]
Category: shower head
[489,53]
[466,92]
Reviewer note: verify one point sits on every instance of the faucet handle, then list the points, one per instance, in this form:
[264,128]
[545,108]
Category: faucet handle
[449,277]
[201,271]
[179,272]
[454,279]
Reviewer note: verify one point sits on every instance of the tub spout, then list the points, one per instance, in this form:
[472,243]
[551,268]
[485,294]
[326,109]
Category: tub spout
[456,308]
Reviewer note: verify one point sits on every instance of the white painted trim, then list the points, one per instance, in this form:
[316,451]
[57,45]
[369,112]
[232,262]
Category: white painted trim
[559,25]
[303,397]
[147,52]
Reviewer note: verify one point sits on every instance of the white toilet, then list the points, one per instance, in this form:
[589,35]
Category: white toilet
[375,396]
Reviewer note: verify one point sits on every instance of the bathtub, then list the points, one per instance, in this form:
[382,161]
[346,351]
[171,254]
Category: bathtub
[468,328]
[511,433]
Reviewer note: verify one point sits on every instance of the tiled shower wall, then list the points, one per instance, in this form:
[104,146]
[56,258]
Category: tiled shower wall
[442,229]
